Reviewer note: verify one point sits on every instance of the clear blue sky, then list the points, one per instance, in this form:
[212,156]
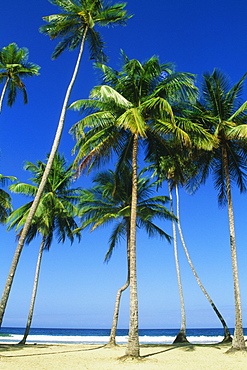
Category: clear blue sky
[76,288]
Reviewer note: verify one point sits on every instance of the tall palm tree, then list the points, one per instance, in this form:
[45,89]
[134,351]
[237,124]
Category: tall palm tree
[110,201]
[179,169]
[54,216]
[134,106]
[5,199]
[14,66]
[181,336]
[167,168]
[75,26]
[221,112]
[227,335]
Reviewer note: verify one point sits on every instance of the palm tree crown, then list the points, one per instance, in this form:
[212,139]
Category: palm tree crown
[110,201]
[78,18]
[14,66]
[57,209]
[221,112]
[138,100]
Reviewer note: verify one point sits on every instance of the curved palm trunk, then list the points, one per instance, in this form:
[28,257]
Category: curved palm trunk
[3,93]
[34,293]
[238,342]
[227,336]
[133,346]
[36,201]
[181,336]
[112,339]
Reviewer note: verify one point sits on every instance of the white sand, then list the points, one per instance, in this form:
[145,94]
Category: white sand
[93,357]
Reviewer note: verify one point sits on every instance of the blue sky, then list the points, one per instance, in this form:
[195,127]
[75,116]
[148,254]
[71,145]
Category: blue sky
[76,288]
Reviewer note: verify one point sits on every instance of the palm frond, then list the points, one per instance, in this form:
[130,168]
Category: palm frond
[239,111]
[153,230]
[105,92]
[22,188]
[118,233]
[96,46]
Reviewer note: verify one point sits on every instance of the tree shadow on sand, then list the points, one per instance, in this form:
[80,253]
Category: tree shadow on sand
[170,347]
[14,347]
[18,347]
[185,346]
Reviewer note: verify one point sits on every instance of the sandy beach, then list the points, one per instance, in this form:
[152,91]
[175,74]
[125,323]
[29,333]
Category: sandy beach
[93,357]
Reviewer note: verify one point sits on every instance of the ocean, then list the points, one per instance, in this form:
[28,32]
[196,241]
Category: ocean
[151,336]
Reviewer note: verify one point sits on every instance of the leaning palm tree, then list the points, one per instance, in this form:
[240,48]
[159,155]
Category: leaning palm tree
[14,67]
[221,112]
[75,25]
[5,199]
[109,201]
[54,216]
[133,106]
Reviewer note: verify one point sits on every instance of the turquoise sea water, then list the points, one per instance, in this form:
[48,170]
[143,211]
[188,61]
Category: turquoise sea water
[49,335]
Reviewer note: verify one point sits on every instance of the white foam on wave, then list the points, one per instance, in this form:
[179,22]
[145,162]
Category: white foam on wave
[104,339]
[57,338]
[170,339]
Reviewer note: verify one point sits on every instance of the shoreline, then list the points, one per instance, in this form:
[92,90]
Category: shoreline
[101,336]
[98,356]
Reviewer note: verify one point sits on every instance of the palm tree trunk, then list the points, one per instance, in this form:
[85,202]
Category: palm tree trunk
[227,336]
[37,198]
[34,293]
[238,342]
[3,93]
[112,339]
[133,346]
[181,336]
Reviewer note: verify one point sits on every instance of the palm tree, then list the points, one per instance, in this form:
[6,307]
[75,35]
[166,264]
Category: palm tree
[227,335]
[134,106]
[75,26]
[181,336]
[167,168]
[54,216]
[14,66]
[179,169]
[222,113]
[110,201]
[5,199]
